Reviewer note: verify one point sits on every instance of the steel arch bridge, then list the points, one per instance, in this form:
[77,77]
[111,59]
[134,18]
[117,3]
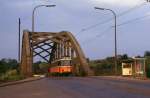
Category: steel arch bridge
[50,46]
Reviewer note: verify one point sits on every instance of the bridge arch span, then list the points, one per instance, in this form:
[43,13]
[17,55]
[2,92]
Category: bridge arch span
[52,45]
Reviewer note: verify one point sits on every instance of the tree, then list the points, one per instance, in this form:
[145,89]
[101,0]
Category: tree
[40,67]
[8,64]
[36,68]
[147,53]
[124,56]
[3,67]
[147,56]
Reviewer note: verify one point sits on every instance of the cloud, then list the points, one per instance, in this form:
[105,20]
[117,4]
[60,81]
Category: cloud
[120,3]
[22,3]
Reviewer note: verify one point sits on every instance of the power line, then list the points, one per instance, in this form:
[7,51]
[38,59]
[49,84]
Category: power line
[105,31]
[108,20]
[93,26]
[132,20]
[97,36]
[131,9]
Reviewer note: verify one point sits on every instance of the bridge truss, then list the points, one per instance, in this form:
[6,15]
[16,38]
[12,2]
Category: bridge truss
[50,46]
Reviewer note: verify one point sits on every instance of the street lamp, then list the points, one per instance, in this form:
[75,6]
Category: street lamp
[34,13]
[115,17]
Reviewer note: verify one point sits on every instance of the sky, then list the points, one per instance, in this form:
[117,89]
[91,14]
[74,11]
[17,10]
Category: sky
[80,18]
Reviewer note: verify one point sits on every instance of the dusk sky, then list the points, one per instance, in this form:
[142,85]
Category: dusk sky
[80,17]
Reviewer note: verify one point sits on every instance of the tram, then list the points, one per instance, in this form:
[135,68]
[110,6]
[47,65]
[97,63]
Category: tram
[61,66]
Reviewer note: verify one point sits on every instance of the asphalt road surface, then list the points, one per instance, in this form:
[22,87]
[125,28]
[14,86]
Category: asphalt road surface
[77,87]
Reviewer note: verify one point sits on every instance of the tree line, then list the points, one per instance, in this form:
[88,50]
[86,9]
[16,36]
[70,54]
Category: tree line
[107,67]
[10,67]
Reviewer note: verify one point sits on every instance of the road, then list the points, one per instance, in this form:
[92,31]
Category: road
[77,87]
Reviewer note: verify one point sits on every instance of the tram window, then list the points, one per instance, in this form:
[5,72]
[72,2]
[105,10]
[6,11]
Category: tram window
[66,62]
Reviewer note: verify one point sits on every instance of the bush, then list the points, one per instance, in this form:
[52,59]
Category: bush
[148,72]
[11,75]
[8,64]
[148,66]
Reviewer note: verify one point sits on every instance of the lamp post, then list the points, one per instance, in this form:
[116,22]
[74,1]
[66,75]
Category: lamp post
[115,25]
[34,13]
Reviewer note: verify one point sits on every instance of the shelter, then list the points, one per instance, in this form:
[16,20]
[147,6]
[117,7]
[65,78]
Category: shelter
[134,67]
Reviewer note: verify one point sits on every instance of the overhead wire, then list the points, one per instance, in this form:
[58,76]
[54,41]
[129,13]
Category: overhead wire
[133,20]
[121,24]
[108,20]
[97,36]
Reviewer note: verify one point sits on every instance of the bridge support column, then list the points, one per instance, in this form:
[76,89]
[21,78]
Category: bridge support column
[26,58]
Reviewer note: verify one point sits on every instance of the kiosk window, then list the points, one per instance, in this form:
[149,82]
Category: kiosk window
[127,66]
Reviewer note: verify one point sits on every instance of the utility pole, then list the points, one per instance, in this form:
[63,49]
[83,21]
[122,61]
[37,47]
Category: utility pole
[19,41]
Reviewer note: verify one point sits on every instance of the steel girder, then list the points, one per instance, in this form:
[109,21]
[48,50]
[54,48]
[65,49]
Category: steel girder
[54,45]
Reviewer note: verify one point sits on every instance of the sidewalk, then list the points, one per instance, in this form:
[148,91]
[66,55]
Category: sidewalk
[21,81]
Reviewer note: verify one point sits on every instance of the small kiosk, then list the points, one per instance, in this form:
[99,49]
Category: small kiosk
[134,67]
[127,68]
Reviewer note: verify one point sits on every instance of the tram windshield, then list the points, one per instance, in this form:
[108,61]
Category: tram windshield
[66,62]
